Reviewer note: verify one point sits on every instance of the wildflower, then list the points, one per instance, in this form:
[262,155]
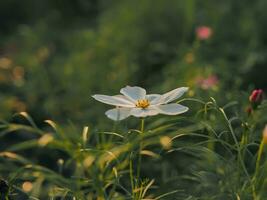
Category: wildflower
[256,96]
[209,82]
[203,32]
[264,135]
[134,101]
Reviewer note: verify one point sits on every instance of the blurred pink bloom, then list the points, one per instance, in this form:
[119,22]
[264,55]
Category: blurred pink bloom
[203,32]
[209,82]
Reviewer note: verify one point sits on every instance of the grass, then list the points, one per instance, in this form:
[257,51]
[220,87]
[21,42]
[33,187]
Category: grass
[202,155]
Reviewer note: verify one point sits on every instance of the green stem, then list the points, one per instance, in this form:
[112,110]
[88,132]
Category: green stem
[259,157]
[131,174]
[244,142]
[257,167]
[211,143]
[140,148]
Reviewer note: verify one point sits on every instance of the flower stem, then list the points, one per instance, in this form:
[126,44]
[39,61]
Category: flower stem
[140,148]
[259,157]
[243,144]
[131,174]
[211,143]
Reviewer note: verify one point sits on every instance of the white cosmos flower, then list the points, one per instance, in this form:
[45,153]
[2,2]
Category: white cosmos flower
[134,101]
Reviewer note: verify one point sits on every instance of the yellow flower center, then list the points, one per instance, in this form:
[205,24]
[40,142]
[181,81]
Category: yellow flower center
[142,103]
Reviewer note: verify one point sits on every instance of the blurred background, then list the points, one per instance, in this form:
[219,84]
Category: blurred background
[55,54]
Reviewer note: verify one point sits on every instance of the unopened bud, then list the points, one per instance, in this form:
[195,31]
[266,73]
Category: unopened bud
[256,96]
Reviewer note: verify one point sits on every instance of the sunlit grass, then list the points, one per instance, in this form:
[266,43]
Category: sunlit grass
[136,163]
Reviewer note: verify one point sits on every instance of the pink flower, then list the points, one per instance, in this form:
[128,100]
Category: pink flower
[203,32]
[209,82]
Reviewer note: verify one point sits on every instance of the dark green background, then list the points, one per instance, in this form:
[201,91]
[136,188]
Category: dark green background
[70,50]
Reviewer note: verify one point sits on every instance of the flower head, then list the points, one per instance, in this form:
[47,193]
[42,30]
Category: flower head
[203,32]
[134,101]
[210,82]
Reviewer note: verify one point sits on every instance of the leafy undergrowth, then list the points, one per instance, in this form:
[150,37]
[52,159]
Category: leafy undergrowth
[211,153]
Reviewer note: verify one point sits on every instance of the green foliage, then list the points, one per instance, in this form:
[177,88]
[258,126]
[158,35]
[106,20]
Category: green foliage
[218,153]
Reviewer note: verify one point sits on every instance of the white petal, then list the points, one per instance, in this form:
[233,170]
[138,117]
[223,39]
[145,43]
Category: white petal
[173,95]
[117,100]
[133,93]
[118,113]
[172,109]
[153,98]
[140,112]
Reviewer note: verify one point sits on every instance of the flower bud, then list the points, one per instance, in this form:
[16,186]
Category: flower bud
[264,135]
[256,96]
